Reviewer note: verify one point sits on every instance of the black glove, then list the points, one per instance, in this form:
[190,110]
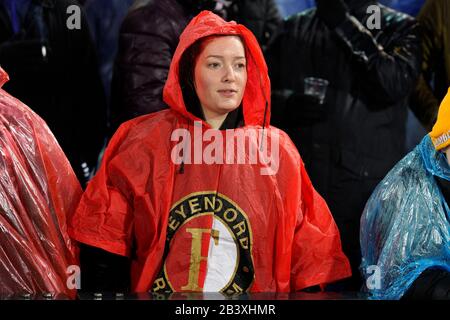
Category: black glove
[303,109]
[102,271]
[432,284]
[331,12]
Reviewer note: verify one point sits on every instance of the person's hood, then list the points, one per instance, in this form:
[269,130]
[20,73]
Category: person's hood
[256,100]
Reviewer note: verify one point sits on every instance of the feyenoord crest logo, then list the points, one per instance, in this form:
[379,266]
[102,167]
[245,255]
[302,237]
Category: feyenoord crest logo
[208,247]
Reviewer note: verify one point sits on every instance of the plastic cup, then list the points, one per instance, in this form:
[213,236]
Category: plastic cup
[316,87]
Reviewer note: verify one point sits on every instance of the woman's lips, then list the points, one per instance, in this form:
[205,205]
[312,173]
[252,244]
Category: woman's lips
[227,93]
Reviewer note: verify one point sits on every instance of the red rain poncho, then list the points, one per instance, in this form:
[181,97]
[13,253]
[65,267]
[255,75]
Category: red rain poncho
[209,227]
[38,192]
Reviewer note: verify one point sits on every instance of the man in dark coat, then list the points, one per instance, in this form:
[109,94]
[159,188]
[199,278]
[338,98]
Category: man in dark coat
[105,18]
[435,79]
[351,140]
[262,17]
[53,69]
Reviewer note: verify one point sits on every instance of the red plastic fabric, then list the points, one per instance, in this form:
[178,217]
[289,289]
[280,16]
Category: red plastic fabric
[294,241]
[38,192]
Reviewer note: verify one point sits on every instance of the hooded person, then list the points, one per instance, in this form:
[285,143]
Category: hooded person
[405,229]
[149,36]
[38,193]
[191,214]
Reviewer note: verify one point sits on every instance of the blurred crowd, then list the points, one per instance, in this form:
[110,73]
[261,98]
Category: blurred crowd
[355,90]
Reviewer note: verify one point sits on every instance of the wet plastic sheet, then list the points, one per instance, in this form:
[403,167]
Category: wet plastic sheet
[38,193]
[405,226]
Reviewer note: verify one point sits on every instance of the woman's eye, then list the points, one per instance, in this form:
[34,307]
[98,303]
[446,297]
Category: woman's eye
[213,65]
[241,65]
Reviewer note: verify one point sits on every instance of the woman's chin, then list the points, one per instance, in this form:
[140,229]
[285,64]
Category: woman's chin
[226,108]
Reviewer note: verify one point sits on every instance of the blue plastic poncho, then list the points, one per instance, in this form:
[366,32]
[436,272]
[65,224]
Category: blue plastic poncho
[405,226]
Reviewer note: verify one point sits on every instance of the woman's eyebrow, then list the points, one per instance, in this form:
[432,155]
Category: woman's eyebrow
[222,57]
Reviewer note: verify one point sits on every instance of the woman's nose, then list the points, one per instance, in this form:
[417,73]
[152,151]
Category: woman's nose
[229,74]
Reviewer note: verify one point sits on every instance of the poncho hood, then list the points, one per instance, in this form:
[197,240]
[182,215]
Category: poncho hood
[256,100]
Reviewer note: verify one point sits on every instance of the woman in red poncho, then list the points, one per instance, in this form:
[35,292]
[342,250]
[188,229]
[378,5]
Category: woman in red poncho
[192,197]
[38,193]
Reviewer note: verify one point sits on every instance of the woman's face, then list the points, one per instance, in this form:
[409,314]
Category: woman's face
[221,75]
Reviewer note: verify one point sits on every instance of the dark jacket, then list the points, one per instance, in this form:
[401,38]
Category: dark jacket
[360,133]
[53,70]
[147,42]
[262,17]
[105,18]
[435,79]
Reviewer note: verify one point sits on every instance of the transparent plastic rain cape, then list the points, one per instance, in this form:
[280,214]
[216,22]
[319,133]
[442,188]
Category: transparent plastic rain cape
[38,193]
[405,226]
